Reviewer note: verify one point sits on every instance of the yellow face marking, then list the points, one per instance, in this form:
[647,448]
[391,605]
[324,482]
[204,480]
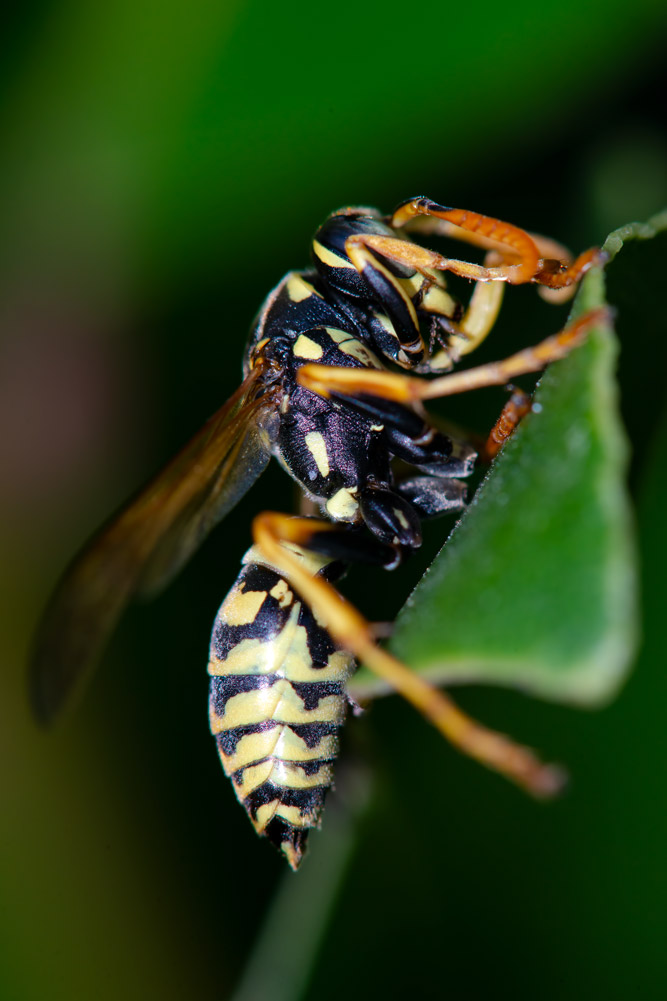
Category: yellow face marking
[298,289]
[307,348]
[317,448]
[343,506]
[241,607]
[329,258]
[282,593]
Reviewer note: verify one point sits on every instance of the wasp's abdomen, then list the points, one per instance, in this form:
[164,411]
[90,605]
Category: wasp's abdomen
[277,700]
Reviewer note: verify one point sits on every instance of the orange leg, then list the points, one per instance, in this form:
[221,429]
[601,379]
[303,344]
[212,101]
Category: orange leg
[473,327]
[326,380]
[366,253]
[432,225]
[538,259]
[274,534]
[516,408]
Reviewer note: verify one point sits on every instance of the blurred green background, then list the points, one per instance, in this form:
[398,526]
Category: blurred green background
[162,166]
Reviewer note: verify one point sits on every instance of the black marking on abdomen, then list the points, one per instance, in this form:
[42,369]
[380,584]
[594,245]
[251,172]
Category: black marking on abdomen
[312,733]
[310,692]
[279,832]
[320,644]
[228,740]
[267,623]
[307,767]
[225,687]
[309,802]
[282,780]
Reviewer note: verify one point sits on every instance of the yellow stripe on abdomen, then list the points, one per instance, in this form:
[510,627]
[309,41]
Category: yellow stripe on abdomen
[277,701]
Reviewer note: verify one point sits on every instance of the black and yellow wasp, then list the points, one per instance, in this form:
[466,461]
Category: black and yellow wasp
[319,396]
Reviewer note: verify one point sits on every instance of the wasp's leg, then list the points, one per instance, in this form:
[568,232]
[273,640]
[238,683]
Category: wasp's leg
[438,454]
[329,381]
[531,264]
[433,495]
[474,326]
[480,315]
[419,293]
[396,332]
[404,343]
[516,408]
[273,534]
[432,224]
[486,300]
[412,438]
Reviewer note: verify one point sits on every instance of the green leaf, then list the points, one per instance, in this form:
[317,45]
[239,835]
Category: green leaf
[536,586]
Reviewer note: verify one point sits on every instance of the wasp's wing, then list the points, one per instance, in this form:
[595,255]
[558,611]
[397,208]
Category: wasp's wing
[145,545]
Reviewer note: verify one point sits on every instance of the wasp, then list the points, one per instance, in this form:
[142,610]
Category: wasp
[338,364]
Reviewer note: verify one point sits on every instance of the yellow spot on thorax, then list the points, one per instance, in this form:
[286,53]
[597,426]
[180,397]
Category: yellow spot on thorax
[298,289]
[304,347]
[318,449]
[351,345]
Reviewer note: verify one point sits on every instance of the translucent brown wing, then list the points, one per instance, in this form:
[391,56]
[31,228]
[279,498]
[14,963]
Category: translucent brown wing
[143,547]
